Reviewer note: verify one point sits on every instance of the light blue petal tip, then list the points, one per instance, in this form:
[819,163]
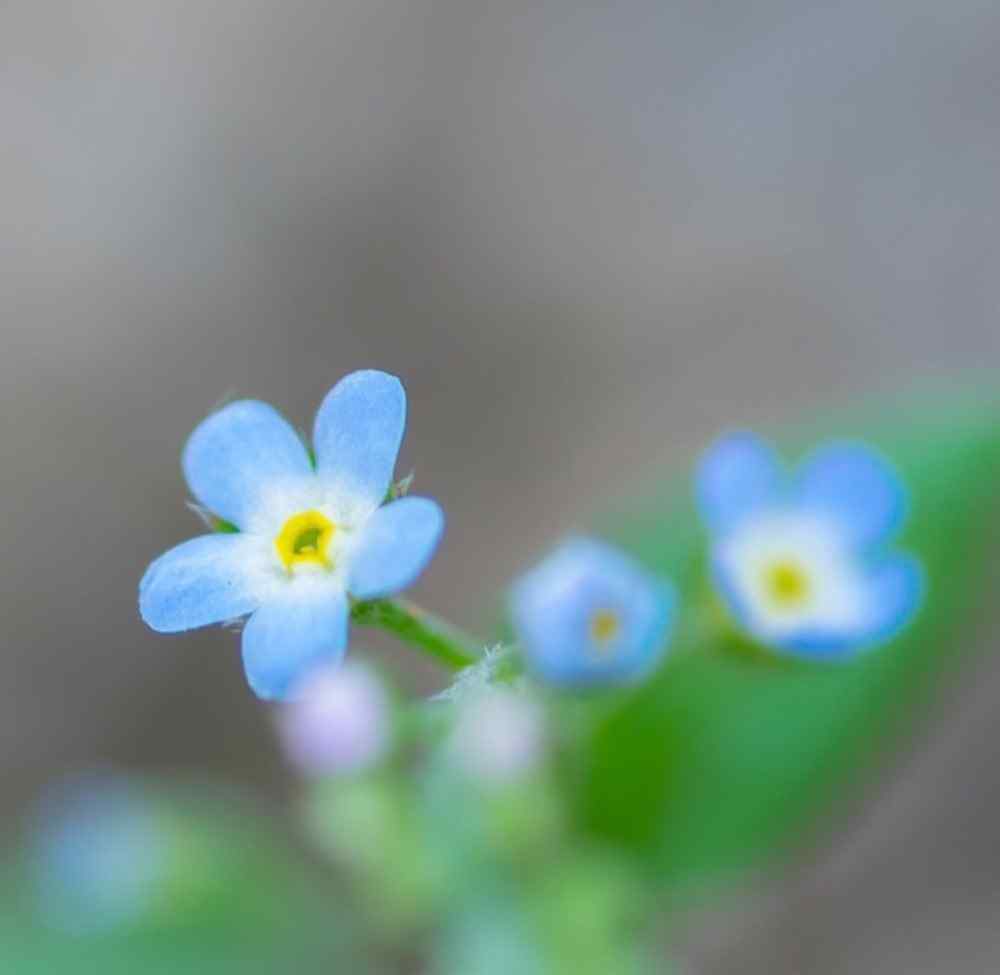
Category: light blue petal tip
[357,433]
[739,474]
[897,588]
[289,638]
[239,452]
[857,485]
[398,541]
[200,582]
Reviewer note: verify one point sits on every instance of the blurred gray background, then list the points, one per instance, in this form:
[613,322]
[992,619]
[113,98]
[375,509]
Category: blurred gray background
[587,236]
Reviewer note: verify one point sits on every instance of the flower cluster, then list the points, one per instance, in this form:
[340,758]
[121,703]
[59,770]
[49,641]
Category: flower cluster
[803,563]
[511,804]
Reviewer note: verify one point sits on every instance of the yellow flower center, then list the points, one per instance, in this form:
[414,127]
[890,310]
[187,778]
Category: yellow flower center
[787,584]
[604,627]
[305,537]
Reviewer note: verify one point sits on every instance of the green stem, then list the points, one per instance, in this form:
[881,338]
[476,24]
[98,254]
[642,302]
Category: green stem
[411,624]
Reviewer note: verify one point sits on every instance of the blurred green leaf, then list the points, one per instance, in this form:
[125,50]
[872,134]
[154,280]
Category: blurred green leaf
[726,755]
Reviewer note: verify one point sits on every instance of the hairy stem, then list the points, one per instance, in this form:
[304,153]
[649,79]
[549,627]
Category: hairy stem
[416,626]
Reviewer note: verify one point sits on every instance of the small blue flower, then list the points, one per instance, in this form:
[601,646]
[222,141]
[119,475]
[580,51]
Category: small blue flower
[803,563]
[589,615]
[310,534]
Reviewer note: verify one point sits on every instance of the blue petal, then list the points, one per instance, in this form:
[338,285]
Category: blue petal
[291,636]
[552,607]
[819,644]
[398,542]
[200,582]
[738,475]
[897,588]
[856,485]
[238,453]
[357,433]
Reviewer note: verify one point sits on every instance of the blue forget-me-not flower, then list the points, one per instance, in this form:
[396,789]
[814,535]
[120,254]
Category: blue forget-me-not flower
[803,562]
[589,615]
[312,532]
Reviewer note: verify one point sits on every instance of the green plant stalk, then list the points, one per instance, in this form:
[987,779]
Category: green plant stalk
[436,637]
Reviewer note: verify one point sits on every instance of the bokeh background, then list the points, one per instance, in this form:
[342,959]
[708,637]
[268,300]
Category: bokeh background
[587,236]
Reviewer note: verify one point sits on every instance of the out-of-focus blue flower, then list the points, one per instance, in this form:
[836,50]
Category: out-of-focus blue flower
[803,562]
[100,855]
[589,615]
[340,722]
[309,533]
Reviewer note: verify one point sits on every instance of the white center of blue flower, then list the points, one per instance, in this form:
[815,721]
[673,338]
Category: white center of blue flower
[787,583]
[792,570]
